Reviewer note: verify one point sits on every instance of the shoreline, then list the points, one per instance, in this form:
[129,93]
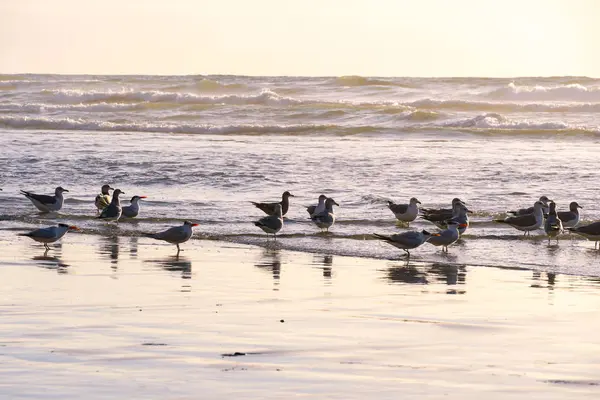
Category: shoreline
[124,318]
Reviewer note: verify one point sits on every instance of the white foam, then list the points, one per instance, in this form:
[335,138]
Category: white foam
[572,92]
[499,122]
[266,97]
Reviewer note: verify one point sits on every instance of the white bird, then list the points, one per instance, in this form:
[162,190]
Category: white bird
[50,234]
[446,237]
[103,199]
[405,212]
[176,235]
[114,210]
[527,222]
[406,240]
[47,203]
[272,223]
[553,225]
[132,210]
[319,208]
[326,218]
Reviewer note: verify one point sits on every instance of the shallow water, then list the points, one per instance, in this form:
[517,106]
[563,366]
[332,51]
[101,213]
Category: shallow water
[113,317]
[202,148]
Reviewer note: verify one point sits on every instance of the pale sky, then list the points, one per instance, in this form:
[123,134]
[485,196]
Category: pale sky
[304,37]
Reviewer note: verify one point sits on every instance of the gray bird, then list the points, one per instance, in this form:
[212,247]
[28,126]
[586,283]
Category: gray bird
[527,222]
[114,210]
[272,224]
[446,237]
[553,225]
[406,240]
[590,232]
[325,219]
[570,218]
[103,199]
[529,210]
[50,234]
[405,212]
[269,208]
[132,210]
[443,213]
[176,235]
[47,203]
[319,208]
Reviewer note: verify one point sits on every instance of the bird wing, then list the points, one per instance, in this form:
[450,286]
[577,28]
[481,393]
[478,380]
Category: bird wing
[267,208]
[102,201]
[43,233]
[311,209]
[175,234]
[398,208]
[522,220]
[591,229]
[41,198]
[566,216]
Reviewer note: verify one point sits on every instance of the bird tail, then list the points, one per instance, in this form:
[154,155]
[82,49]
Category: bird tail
[149,235]
[23,192]
[258,223]
[23,234]
[383,237]
[500,221]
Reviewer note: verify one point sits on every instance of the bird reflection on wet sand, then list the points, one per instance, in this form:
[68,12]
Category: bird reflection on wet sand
[450,274]
[109,249]
[270,261]
[51,262]
[177,264]
[324,262]
[537,281]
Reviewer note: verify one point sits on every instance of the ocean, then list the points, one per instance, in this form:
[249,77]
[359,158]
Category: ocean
[202,147]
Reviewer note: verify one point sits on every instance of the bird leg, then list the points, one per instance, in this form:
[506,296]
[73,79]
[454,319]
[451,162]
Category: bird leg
[178,249]
[46,246]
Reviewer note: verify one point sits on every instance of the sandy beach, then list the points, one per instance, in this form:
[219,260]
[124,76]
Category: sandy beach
[101,318]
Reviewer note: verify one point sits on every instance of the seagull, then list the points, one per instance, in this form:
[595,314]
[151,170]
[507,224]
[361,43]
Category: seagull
[590,232]
[319,208]
[50,234]
[103,199]
[269,208]
[325,219]
[527,222]
[553,225]
[570,218]
[272,223]
[113,211]
[406,240]
[446,237]
[524,211]
[175,235]
[405,212]
[132,211]
[447,212]
[459,214]
[47,203]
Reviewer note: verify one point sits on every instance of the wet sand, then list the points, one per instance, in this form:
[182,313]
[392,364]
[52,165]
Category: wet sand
[122,318]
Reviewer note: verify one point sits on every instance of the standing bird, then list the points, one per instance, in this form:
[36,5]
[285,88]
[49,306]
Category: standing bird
[406,240]
[325,219]
[50,234]
[319,208]
[103,199]
[269,208]
[175,235]
[529,210]
[590,232]
[446,213]
[570,218]
[405,212]
[272,223]
[47,203]
[446,237]
[527,222]
[553,225]
[459,214]
[132,210]
[113,211]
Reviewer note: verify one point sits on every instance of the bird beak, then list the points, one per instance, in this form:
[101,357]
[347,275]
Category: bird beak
[65,190]
[578,206]
[143,197]
[463,225]
[469,211]
[111,188]
[74,228]
[336,203]
[195,224]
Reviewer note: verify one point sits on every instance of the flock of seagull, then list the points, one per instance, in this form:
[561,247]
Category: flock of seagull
[452,221]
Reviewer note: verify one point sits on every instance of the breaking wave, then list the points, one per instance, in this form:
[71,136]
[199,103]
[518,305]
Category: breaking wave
[571,92]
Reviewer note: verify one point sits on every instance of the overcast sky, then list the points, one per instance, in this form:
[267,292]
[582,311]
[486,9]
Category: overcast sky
[302,37]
